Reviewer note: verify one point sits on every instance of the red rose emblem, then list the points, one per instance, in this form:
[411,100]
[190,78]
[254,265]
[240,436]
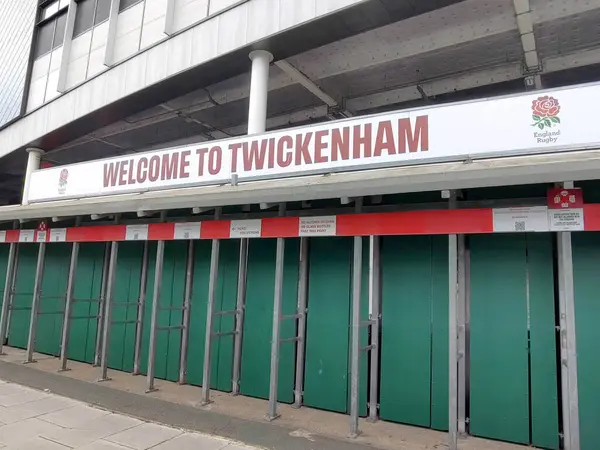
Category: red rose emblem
[545,112]
[64,174]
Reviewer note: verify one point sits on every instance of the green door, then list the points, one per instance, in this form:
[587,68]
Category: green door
[86,294]
[124,308]
[4,249]
[414,335]
[586,254]
[513,377]
[328,334]
[24,282]
[225,299]
[258,322]
[52,298]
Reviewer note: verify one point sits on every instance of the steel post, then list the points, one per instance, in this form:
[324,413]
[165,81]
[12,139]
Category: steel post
[301,332]
[210,306]
[452,348]
[355,345]
[66,328]
[35,303]
[185,330]
[13,287]
[239,320]
[375,316]
[461,316]
[6,297]
[139,326]
[110,284]
[101,304]
[158,272]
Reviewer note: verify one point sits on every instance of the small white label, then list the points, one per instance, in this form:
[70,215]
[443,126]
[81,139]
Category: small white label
[136,233]
[245,228]
[318,226]
[41,236]
[566,219]
[186,231]
[521,220]
[26,235]
[2,236]
[58,235]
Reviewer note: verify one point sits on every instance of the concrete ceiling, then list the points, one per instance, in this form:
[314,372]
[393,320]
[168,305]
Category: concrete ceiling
[433,51]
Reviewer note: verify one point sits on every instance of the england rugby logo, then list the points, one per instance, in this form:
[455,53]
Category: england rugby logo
[62,181]
[545,112]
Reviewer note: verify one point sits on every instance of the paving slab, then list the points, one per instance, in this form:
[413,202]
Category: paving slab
[144,436]
[191,441]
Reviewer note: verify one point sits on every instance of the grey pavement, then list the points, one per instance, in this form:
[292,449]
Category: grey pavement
[36,420]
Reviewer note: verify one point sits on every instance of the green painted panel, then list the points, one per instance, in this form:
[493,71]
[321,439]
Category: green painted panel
[225,299]
[126,290]
[258,322]
[88,282]
[586,254]
[52,298]
[327,367]
[499,363]
[414,351]
[543,376]
[24,282]
[4,249]
[172,291]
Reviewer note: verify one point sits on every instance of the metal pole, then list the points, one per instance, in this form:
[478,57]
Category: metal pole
[355,356]
[374,300]
[110,284]
[158,272]
[302,300]
[66,328]
[185,330]
[239,322]
[139,326]
[452,349]
[101,305]
[13,288]
[210,306]
[6,297]
[461,317]
[37,291]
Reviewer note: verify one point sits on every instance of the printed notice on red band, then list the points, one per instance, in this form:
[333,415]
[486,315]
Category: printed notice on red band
[318,226]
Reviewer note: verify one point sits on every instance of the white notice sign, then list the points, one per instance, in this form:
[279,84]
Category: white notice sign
[318,226]
[26,235]
[189,230]
[136,233]
[245,228]
[566,219]
[41,236]
[2,236]
[520,220]
[58,235]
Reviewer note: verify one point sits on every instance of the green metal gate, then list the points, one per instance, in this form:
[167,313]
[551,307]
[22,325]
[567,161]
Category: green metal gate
[513,363]
[258,322]
[586,254]
[414,342]
[23,296]
[4,249]
[225,299]
[328,333]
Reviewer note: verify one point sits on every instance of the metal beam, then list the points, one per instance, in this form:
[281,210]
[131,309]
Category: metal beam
[239,319]
[301,310]
[35,303]
[187,298]
[375,317]
[110,288]
[158,273]
[139,326]
[8,293]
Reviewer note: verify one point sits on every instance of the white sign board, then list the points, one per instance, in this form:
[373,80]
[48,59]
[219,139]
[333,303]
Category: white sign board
[187,230]
[136,233]
[318,226]
[521,220]
[58,235]
[2,236]
[245,228]
[566,219]
[26,235]
[560,120]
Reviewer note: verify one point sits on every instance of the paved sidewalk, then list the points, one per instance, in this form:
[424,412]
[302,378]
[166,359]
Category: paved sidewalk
[36,420]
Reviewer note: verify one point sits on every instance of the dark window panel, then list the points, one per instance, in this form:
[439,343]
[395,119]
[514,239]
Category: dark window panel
[84,19]
[45,34]
[102,11]
[59,35]
[127,3]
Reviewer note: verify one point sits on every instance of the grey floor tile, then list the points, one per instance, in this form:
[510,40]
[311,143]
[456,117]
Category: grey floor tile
[18,432]
[74,416]
[144,436]
[20,397]
[37,443]
[33,409]
[103,445]
[192,441]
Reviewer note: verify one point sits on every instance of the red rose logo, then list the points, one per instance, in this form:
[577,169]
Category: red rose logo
[62,181]
[545,112]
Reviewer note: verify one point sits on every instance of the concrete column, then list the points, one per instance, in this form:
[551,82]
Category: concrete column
[33,163]
[259,86]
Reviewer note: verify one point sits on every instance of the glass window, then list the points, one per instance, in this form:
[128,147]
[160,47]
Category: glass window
[84,19]
[49,10]
[43,42]
[102,11]
[59,35]
[127,3]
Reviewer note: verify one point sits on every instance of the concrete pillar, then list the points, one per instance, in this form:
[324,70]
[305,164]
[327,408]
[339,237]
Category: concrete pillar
[259,86]
[33,163]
